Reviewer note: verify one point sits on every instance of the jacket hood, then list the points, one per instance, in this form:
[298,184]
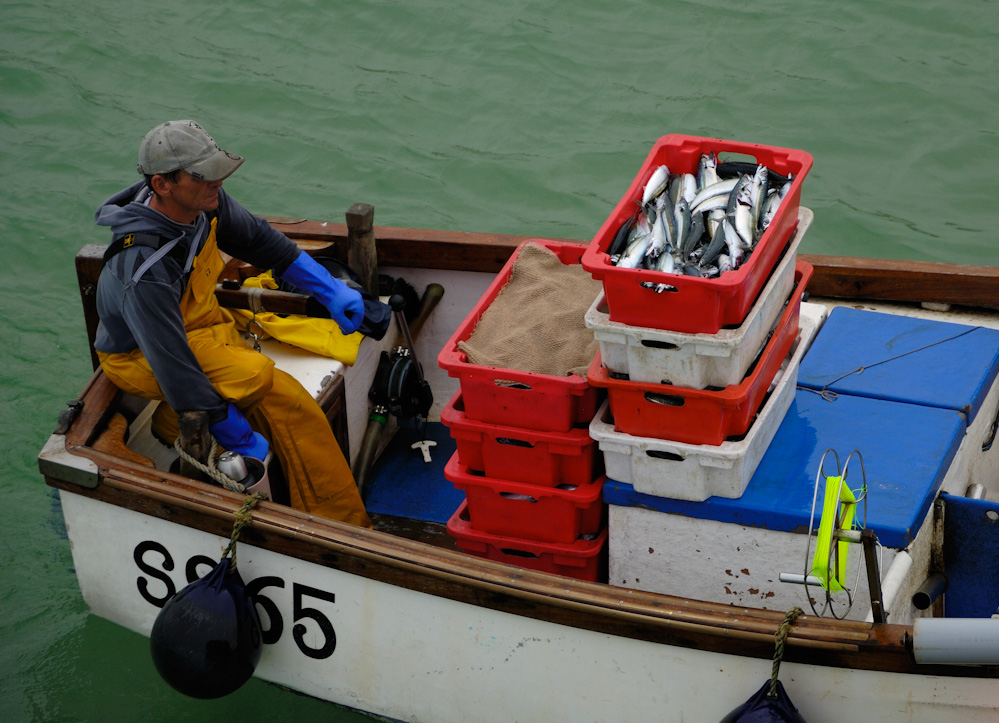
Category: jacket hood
[127,212]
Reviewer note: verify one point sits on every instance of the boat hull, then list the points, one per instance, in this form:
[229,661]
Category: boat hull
[409,654]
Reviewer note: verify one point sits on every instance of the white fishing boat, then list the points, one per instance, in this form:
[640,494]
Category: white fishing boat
[703,549]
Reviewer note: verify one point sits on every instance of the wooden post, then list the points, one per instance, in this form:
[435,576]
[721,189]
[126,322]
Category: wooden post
[361,253]
[196,441]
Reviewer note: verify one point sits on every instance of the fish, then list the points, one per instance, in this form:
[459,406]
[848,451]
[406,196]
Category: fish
[665,262]
[759,186]
[741,213]
[694,234]
[689,187]
[659,241]
[713,191]
[735,245]
[772,204]
[638,242]
[621,237]
[707,170]
[710,203]
[656,184]
[682,220]
[714,248]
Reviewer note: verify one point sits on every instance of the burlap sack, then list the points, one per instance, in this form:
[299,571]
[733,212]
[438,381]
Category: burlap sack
[536,322]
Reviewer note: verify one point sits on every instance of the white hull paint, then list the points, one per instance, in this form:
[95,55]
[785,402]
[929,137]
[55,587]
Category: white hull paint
[416,657]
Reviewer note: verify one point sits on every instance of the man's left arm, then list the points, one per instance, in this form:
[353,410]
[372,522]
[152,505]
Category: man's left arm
[252,239]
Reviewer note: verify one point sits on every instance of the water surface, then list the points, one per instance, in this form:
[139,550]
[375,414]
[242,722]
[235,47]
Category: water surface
[515,117]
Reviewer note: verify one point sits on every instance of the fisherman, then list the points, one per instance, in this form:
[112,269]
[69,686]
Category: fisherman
[163,335]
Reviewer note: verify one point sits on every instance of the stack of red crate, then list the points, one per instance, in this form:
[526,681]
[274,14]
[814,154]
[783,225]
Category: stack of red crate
[671,401]
[531,473]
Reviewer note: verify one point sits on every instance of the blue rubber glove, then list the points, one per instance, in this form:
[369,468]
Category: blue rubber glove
[346,305]
[234,434]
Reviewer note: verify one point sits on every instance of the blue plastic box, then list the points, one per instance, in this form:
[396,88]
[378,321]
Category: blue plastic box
[905,359]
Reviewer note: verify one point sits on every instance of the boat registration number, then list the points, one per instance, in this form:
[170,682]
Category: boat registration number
[307,603]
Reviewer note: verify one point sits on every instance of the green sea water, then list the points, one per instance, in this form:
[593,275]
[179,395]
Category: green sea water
[514,117]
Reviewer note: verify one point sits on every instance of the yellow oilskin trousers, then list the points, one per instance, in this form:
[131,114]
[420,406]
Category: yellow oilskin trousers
[275,404]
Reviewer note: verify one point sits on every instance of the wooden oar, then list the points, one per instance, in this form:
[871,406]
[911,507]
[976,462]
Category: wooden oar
[278,302]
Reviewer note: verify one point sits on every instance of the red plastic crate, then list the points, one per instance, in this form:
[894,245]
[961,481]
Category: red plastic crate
[522,455]
[512,397]
[703,416]
[583,559]
[698,305]
[528,511]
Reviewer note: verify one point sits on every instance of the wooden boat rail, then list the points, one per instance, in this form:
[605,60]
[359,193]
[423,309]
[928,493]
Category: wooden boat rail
[835,277]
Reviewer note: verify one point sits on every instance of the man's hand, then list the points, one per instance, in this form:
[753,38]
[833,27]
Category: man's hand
[234,433]
[346,305]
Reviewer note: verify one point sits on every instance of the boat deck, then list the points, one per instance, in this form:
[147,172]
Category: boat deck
[412,500]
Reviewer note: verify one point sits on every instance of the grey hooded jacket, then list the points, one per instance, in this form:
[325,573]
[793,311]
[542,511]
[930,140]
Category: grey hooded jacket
[143,310]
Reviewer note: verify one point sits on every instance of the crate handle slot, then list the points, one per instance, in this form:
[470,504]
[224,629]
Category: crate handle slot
[514,442]
[518,497]
[518,553]
[667,400]
[671,456]
[656,344]
[510,384]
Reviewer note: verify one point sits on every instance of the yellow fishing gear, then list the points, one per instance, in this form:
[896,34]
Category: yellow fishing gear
[838,509]
[320,336]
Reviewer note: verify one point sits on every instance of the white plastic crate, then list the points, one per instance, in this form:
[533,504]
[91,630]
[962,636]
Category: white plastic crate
[696,361]
[695,471]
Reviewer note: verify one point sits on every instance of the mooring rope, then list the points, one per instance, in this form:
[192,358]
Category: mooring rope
[780,639]
[211,469]
[243,518]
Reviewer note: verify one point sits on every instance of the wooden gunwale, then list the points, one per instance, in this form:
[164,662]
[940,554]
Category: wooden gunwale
[837,277]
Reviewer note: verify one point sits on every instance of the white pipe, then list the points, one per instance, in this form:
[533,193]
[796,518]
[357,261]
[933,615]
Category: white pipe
[956,641]
[894,578]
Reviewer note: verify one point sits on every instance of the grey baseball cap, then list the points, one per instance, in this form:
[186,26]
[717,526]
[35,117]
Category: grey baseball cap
[185,145]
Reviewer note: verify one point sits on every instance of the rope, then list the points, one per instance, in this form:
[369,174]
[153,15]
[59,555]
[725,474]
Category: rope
[830,395]
[243,519]
[211,469]
[780,639]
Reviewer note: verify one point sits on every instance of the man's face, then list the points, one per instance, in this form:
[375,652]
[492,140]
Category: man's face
[195,195]
[185,198]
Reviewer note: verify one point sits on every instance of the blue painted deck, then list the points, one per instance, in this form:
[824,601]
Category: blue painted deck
[401,484]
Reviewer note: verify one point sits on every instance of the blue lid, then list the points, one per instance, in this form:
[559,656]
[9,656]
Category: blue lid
[906,450]
[918,361]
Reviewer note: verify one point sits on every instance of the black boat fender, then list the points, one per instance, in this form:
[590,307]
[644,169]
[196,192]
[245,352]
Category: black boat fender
[206,641]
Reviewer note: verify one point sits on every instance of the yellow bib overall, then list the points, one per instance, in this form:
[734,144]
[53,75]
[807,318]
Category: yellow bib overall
[275,404]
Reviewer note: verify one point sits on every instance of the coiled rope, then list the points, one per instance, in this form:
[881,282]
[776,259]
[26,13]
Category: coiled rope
[780,639]
[211,469]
